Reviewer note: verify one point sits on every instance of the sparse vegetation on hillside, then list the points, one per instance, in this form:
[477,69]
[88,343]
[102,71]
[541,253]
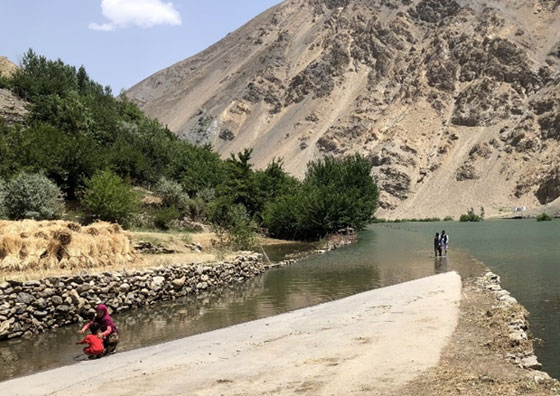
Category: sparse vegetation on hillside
[544,217]
[96,148]
[471,216]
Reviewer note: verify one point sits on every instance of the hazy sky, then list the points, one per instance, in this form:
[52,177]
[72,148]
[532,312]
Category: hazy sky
[120,42]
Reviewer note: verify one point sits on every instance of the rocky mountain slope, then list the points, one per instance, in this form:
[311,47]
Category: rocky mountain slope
[12,108]
[455,102]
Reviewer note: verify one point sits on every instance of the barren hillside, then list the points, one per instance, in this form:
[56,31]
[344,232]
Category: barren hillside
[456,103]
[12,108]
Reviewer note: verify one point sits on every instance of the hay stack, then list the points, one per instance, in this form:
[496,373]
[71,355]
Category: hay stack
[31,245]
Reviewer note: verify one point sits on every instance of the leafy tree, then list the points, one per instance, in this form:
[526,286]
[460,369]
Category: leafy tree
[108,197]
[196,168]
[335,194]
[32,196]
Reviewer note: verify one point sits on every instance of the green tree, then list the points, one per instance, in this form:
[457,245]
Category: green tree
[108,197]
[32,196]
[335,194]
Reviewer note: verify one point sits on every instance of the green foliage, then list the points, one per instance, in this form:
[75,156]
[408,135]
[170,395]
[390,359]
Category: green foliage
[2,195]
[471,216]
[196,168]
[172,194]
[544,217]
[4,81]
[448,218]
[335,194]
[87,142]
[233,226]
[165,215]
[76,127]
[32,196]
[107,197]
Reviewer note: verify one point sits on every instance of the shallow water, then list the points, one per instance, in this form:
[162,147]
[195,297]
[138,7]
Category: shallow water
[384,255]
[526,255]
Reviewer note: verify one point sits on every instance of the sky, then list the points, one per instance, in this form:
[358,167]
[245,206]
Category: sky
[120,42]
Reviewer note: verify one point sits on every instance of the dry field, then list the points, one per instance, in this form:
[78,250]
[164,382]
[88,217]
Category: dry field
[35,250]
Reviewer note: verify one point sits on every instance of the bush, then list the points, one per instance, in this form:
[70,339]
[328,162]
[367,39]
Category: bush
[544,217]
[2,194]
[172,194]
[232,224]
[32,196]
[107,197]
[164,216]
[448,218]
[471,216]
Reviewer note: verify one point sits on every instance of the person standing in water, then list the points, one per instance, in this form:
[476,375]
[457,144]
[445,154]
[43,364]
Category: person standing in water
[437,245]
[444,242]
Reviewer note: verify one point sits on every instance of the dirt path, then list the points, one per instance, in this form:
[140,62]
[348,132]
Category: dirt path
[367,344]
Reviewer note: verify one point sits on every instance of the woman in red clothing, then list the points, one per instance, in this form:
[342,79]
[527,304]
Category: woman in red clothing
[104,323]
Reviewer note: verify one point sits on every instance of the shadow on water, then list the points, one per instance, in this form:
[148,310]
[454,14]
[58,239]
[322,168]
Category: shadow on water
[383,256]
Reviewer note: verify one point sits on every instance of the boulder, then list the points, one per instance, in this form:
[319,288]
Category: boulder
[179,283]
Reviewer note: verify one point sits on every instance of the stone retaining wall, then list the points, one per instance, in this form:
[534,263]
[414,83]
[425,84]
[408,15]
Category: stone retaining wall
[35,306]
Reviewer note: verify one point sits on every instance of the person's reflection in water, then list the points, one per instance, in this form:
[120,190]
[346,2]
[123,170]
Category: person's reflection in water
[440,265]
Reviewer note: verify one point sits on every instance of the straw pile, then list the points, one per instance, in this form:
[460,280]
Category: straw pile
[31,245]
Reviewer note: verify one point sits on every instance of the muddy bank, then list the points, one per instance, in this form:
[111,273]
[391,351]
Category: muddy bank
[30,307]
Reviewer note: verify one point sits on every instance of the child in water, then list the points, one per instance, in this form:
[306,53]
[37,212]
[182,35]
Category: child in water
[94,347]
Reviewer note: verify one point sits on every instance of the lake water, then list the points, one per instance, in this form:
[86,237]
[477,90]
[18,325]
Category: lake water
[522,252]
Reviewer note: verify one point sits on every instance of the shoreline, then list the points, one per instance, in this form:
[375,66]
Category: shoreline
[329,345]
[376,340]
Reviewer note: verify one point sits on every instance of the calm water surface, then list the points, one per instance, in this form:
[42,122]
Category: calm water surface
[385,255]
[526,255]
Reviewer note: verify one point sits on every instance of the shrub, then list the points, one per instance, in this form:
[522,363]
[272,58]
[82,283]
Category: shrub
[108,197]
[172,194]
[471,216]
[232,224]
[2,194]
[32,196]
[544,217]
[165,215]
[448,218]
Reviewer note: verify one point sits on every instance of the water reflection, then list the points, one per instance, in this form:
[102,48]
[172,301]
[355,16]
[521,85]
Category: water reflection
[440,265]
[382,257]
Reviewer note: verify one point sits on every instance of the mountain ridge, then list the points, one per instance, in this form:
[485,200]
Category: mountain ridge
[454,102]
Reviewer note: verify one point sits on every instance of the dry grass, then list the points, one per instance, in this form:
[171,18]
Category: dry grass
[29,245]
[32,250]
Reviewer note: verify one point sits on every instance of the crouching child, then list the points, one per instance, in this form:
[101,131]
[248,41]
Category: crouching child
[94,347]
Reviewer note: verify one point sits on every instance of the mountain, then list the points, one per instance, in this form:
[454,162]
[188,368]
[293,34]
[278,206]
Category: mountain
[455,103]
[12,108]
[6,67]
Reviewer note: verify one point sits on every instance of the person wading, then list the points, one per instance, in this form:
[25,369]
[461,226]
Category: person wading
[104,323]
[437,245]
[444,240]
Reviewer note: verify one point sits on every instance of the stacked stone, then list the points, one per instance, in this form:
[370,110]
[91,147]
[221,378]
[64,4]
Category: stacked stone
[35,306]
[517,325]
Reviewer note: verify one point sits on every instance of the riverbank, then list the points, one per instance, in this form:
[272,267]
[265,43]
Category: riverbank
[433,336]
[366,343]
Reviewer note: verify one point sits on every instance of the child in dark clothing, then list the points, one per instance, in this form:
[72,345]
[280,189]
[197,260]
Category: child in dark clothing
[94,347]
[437,245]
